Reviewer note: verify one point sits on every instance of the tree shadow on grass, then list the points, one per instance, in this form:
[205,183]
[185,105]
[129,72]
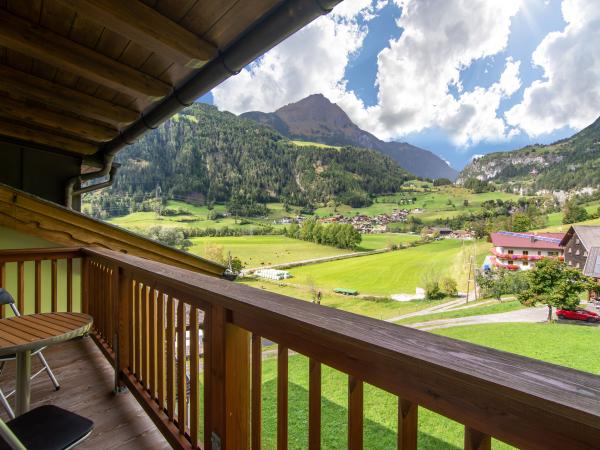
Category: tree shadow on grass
[334,424]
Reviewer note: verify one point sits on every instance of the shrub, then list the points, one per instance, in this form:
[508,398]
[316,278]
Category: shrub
[449,287]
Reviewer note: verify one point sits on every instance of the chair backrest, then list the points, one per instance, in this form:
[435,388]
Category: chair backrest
[5,297]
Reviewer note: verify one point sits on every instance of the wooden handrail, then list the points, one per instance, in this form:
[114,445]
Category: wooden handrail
[38,254]
[522,401]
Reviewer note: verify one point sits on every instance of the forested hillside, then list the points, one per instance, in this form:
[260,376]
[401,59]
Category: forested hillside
[569,164]
[209,156]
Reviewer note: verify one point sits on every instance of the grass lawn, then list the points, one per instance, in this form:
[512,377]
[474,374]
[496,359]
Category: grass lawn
[379,309]
[492,308]
[314,144]
[567,345]
[394,272]
[256,251]
[383,240]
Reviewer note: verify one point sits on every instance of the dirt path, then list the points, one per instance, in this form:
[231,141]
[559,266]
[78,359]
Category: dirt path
[433,309]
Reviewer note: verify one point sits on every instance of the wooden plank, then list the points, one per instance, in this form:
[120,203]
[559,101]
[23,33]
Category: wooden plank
[282,397]
[194,378]
[124,321]
[146,26]
[476,440]
[237,387]
[181,363]
[2,285]
[408,425]
[60,122]
[21,287]
[144,347]
[355,413]
[85,284]
[69,284]
[314,404]
[170,358]
[38,136]
[38,286]
[45,45]
[152,340]
[54,285]
[256,418]
[138,330]
[214,381]
[133,320]
[29,87]
[160,349]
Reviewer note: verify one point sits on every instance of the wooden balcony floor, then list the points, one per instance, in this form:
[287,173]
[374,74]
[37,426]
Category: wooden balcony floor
[86,380]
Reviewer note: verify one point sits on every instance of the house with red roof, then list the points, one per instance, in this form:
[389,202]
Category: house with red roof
[520,251]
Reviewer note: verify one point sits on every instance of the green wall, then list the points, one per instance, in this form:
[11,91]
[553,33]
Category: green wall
[10,239]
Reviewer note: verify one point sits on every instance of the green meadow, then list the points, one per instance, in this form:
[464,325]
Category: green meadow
[399,271]
[566,345]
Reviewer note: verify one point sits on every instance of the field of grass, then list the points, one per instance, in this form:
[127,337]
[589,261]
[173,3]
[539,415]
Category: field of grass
[314,144]
[560,344]
[394,272]
[555,219]
[378,309]
[384,240]
[257,251]
[493,308]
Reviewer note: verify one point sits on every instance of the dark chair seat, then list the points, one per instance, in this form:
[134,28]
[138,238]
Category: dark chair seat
[49,427]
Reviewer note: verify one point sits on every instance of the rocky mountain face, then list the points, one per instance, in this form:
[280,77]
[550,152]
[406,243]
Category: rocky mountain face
[316,119]
[569,164]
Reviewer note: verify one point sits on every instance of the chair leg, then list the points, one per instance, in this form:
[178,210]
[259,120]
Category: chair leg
[6,405]
[49,371]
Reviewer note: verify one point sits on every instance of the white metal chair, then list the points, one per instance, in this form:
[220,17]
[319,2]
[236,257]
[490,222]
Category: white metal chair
[7,299]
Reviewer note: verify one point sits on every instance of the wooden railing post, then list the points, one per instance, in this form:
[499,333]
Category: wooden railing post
[476,440]
[85,283]
[227,359]
[408,425]
[122,286]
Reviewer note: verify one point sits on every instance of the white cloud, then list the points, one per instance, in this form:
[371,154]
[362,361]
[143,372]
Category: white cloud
[440,38]
[569,94]
[311,61]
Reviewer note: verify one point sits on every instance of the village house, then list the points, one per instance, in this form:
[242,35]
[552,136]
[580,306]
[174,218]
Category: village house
[582,246]
[520,251]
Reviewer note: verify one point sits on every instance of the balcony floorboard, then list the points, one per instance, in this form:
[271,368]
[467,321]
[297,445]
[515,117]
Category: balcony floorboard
[86,380]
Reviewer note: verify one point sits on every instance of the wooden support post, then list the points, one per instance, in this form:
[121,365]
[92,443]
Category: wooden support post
[214,373]
[54,285]
[2,285]
[408,425]
[476,440]
[69,284]
[355,413]
[38,286]
[256,391]
[314,404]
[85,272]
[21,286]
[237,387]
[282,397]
[123,323]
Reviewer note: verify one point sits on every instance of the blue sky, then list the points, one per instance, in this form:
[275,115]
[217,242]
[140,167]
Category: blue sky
[458,77]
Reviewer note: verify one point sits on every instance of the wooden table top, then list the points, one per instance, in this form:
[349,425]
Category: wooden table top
[34,331]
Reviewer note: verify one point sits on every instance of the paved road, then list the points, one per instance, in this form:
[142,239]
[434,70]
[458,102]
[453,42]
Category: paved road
[531,315]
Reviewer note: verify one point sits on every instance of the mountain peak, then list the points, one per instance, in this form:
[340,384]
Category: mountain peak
[316,118]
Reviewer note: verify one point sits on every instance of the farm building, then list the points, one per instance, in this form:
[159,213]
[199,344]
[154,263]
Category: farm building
[519,251]
[273,274]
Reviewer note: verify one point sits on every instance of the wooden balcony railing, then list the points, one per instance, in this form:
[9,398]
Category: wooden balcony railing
[188,346]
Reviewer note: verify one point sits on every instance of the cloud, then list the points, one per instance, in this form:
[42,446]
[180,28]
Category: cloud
[415,72]
[569,93]
[311,61]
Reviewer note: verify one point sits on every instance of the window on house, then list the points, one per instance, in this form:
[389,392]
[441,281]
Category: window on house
[570,263]
[577,252]
[578,265]
[510,252]
[525,252]
[552,253]
[525,263]
[570,250]
[539,253]
[577,241]
[585,254]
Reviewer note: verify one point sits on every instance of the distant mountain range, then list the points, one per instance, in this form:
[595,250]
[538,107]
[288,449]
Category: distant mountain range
[316,119]
[567,165]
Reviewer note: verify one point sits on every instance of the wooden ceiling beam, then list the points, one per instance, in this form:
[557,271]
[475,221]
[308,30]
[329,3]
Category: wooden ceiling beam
[25,133]
[32,114]
[30,87]
[148,28]
[45,45]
